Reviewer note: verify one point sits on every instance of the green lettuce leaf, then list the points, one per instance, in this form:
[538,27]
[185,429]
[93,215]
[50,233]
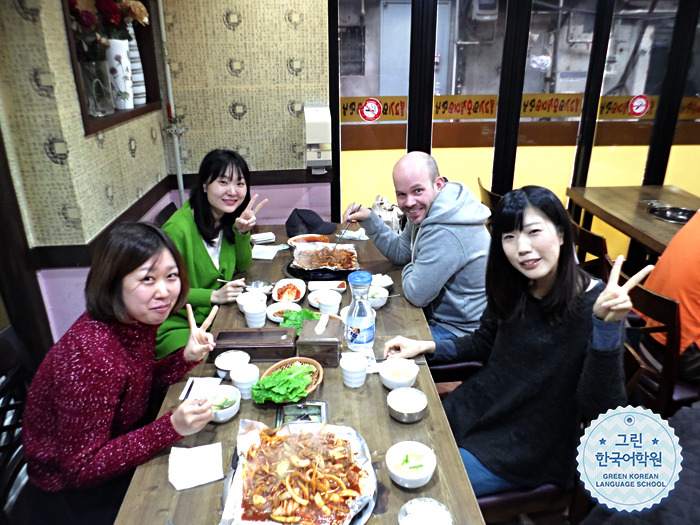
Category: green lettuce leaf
[296,319]
[284,385]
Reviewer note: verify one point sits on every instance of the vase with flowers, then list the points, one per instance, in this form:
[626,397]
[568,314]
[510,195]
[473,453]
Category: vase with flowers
[116,16]
[91,45]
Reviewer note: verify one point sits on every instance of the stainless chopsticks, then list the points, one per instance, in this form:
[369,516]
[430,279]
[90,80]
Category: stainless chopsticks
[347,224]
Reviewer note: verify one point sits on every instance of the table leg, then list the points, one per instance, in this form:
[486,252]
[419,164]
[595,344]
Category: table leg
[638,257]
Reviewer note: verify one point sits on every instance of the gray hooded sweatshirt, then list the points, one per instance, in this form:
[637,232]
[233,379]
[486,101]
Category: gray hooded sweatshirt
[445,258]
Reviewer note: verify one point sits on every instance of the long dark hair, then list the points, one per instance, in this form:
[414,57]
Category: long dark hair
[506,288]
[124,248]
[216,164]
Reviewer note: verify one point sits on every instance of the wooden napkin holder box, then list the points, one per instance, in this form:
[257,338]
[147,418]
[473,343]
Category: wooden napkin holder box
[261,344]
[323,347]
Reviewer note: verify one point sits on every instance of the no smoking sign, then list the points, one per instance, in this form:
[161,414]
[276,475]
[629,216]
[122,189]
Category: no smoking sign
[639,106]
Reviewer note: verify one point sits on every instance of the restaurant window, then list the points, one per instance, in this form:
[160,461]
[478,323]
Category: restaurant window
[637,58]
[373,53]
[352,50]
[146,49]
[468,51]
[635,67]
[683,153]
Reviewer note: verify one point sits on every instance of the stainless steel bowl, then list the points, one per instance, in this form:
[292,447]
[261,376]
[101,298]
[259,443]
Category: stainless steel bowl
[407,405]
[259,286]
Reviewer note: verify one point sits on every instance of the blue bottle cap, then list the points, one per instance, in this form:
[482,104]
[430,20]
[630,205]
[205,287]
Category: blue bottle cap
[360,278]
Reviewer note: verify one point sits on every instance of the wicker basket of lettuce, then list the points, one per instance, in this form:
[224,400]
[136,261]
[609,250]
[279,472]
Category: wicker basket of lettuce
[288,381]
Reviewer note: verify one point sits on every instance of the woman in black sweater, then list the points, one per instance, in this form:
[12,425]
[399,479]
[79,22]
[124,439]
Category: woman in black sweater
[550,341]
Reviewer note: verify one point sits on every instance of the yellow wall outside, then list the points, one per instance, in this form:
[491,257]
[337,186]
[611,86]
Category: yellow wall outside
[365,174]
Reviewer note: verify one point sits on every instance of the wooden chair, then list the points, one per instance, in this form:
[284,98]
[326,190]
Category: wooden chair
[589,243]
[448,376]
[547,503]
[488,198]
[15,377]
[656,380]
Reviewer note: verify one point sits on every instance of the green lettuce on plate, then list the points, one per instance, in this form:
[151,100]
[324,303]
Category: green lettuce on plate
[296,319]
[284,385]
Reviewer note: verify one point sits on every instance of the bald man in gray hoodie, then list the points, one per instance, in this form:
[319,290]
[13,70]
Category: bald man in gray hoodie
[444,246]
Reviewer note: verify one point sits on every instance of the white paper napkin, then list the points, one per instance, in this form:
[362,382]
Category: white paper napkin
[190,467]
[200,387]
[266,253]
[262,238]
[355,235]
[372,365]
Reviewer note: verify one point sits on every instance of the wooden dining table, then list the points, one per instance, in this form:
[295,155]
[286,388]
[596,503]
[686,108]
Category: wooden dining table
[623,208]
[152,499]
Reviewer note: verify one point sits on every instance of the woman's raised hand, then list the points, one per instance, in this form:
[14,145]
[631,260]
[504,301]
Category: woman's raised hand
[191,416]
[613,304]
[200,342]
[401,346]
[228,292]
[247,220]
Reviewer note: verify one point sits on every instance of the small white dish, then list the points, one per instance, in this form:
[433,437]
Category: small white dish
[397,372]
[411,463]
[249,297]
[227,361]
[377,296]
[315,297]
[224,394]
[282,306]
[419,511]
[298,283]
[385,281]
[338,286]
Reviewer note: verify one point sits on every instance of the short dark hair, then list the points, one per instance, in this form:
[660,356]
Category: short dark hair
[215,165]
[506,287]
[122,250]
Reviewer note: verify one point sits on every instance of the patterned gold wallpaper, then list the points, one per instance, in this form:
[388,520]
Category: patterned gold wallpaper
[69,186]
[242,71]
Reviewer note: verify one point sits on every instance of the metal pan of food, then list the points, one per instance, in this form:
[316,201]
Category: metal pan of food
[341,496]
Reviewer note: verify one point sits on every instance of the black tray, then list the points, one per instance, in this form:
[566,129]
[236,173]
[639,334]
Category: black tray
[321,274]
[671,214]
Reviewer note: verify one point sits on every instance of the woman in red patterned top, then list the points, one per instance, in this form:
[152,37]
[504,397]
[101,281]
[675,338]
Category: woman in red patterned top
[83,433]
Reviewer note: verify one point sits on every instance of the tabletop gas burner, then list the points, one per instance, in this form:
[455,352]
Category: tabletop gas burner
[320,274]
[664,212]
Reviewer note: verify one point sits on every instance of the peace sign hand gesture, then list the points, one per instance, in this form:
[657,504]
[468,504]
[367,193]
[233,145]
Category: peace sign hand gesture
[200,342]
[247,220]
[613,304]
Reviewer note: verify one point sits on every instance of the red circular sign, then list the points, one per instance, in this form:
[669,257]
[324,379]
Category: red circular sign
[639,105]
[371,110]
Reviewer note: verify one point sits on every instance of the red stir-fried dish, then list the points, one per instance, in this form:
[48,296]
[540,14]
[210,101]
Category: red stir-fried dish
[325,257]
[308,479]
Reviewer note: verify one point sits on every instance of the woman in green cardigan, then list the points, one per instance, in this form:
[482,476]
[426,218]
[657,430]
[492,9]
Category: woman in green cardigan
[212,232]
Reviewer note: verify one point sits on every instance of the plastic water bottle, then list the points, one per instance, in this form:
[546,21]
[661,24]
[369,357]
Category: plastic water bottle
[359,326]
